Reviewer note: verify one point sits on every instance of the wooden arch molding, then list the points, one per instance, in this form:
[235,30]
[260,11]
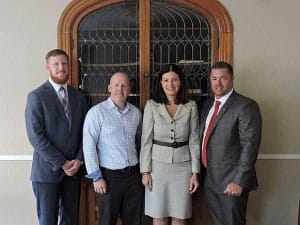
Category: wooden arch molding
[213,10]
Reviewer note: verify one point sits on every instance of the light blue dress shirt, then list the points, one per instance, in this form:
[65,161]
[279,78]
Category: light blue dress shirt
[109,137]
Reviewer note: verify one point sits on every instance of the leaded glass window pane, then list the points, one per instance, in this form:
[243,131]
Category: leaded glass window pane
[107,43]
[183,37]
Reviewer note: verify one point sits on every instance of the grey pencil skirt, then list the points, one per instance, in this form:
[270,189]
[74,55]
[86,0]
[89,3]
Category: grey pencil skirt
[170,195]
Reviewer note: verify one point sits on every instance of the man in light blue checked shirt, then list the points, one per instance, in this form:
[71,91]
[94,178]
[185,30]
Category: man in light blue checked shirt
[110,135]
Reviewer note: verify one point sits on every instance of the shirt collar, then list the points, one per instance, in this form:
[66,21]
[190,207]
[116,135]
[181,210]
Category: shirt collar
[57,86]
[112,105]
[224,98]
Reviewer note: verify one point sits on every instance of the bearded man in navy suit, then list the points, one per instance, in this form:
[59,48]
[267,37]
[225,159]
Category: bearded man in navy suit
[54,123]
[230,128]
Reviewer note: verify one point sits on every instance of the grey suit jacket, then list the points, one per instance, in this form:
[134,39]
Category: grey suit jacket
[233,144]
[49,133]
[159,125]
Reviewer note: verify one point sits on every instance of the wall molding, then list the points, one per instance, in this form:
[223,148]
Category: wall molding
[260,157]
[279,156]
[15,157]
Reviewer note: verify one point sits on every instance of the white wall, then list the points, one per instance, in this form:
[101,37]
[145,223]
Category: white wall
[266,55]
[267,68]
[16,198]
[28,31]
[266,61]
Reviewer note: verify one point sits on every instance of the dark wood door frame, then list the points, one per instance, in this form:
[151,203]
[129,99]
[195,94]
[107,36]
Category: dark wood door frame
[213,10]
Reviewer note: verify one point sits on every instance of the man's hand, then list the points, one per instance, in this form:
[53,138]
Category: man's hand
[71,167]
[100,186]
[233,189]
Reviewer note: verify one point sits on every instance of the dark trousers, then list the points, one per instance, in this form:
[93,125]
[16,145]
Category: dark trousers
[124,197]
[57,199]
[225,209]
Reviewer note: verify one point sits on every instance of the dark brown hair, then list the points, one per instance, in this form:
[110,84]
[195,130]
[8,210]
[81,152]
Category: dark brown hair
[223,65]
[160,95]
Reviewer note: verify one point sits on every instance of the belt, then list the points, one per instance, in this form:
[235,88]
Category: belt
[124,170]
[175,144]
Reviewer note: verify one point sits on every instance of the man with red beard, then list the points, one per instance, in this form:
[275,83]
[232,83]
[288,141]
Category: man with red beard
[54,117]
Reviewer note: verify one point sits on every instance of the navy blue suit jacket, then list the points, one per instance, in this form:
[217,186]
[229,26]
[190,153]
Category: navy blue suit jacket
[49,133]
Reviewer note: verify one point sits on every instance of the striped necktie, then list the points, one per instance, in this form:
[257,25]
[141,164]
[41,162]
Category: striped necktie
[64,102]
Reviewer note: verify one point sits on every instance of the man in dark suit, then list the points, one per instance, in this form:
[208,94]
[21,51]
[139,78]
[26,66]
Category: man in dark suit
[231,134]
[54,117]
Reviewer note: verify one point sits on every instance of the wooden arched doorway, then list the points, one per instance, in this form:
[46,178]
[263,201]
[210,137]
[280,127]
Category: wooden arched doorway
[139,37]
[221,35]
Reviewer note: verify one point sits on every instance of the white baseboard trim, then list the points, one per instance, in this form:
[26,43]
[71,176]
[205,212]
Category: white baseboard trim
[260,156]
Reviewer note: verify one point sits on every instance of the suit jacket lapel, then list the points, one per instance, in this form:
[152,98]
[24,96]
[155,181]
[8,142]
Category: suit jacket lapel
[204,115]
[54,97]
[181,111]
[72,103]
[224,109]
[163,111]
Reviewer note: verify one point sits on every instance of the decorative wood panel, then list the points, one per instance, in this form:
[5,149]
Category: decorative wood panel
[212,10]
[220,47]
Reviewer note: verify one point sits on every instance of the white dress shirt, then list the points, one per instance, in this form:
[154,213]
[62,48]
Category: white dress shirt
[223,100]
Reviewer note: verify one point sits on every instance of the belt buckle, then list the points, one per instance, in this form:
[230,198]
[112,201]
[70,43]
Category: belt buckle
[175,144]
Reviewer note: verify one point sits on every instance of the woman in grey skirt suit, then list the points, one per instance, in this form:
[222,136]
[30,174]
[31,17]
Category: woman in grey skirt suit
[170,150]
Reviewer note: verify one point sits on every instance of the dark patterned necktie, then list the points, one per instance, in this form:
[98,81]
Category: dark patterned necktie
[64,102]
